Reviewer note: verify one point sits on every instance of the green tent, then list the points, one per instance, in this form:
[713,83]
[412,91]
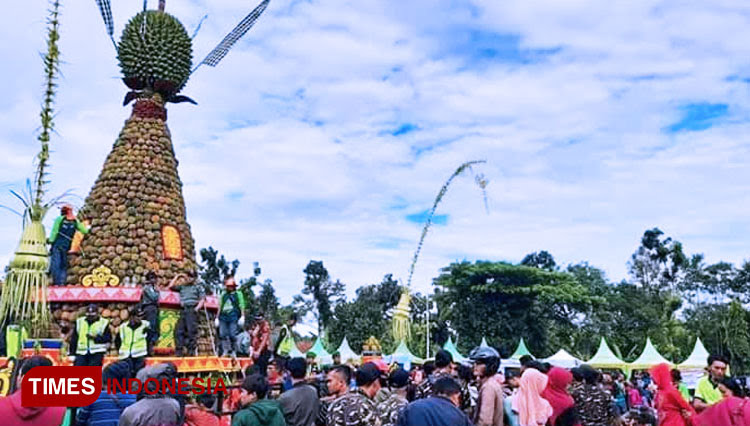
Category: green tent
[346,352]
[321,354]
[649,358]
[698,359]
[605,358]
[403,355]
[450,347]
[521,350]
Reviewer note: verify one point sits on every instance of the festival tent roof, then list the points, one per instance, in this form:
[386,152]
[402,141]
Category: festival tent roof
[346,352]
[563,359]
[484,343]
[321,354]
[403,355]
[451,348]
[697,359]
[295,352]
[521,350]
[649,358]
[605,358]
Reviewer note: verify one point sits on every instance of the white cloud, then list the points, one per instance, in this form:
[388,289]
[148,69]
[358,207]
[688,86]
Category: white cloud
[289,155]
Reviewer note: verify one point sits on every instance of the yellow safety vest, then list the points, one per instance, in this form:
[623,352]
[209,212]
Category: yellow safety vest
[15,335]
[133,343]
[84,345]
[286,345]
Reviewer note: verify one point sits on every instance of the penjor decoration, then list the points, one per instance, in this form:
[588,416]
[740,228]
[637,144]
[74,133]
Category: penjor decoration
[136,206]
[24,295]
[401,328]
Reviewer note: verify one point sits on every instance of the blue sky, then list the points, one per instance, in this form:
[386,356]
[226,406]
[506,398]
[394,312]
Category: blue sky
[328,131]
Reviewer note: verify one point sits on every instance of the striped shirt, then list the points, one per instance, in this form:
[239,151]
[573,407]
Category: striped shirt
[105,411]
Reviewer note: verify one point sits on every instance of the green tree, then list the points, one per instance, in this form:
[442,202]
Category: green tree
[323,294]
[268,303]
[214,268]
[541,260]
[505,302]
[736,337]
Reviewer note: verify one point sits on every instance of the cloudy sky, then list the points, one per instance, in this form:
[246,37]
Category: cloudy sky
[327,132]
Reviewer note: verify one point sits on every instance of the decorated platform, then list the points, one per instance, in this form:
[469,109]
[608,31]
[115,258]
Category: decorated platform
[194,364]
[73,294]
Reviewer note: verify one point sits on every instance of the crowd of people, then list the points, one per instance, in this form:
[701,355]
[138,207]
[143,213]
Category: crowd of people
[298,392]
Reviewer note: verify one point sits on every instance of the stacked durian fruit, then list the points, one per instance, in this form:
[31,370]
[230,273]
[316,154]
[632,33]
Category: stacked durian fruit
[138,191]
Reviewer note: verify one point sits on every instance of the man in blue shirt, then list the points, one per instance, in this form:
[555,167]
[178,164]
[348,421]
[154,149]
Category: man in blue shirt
[441,409]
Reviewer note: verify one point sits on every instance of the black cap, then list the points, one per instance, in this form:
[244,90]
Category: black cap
[399,378]
[367,374]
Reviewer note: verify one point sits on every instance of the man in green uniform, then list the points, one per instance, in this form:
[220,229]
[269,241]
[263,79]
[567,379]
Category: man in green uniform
[191,301]
[60,238]
[707,390]
[358,408]
[231,311]
[90,338]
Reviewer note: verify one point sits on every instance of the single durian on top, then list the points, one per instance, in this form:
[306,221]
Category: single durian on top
[156,56]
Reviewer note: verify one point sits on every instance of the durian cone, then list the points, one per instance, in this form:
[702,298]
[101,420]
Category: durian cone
[137,194]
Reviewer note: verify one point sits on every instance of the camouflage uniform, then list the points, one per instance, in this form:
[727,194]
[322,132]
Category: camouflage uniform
[353,409]
[391,408]
[424,389]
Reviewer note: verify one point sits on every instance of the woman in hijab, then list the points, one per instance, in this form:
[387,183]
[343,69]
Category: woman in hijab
[672,408]
[532,409]
[556,393]
[732,410]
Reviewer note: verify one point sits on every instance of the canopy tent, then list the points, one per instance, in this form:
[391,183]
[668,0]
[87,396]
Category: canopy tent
[563,359]
[295,352]
[450,347]
[346,352]
[321,354]
[649,358]
[698,359]
[403,355]
[605,358]
[484,343]
[521,350]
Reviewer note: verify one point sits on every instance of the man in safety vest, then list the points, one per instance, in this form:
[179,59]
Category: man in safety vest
[90,338]
[231,309]
[285,342]
[132,340]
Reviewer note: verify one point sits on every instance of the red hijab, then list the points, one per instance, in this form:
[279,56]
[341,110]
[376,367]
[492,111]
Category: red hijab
[730,411]
[557,392]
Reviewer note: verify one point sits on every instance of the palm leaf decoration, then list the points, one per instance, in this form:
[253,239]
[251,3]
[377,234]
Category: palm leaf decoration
[24,294]
[401,328]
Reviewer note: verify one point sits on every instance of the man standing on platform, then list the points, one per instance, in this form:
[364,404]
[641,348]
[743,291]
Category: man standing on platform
[191,301]
[260,342]
[150,305]
[60,238]
[231,310]
[285,342]
[90,338]
[132,341]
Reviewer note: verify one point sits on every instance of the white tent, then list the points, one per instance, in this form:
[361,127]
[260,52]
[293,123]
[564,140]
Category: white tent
[563,359]
[295,352]
[649,358]
[346,352]
[698,359]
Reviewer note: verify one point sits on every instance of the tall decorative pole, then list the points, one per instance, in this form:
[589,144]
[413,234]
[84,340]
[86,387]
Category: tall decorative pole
[24,295]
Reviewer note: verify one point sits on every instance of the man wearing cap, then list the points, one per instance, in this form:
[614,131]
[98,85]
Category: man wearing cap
[357,408]
[440,409]
[90,338]
[396,401]
[150,305]
[132,340]
[231,310]
[191,302]
[61,237]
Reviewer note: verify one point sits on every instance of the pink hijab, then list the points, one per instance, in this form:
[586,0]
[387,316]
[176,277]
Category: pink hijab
[532,409]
